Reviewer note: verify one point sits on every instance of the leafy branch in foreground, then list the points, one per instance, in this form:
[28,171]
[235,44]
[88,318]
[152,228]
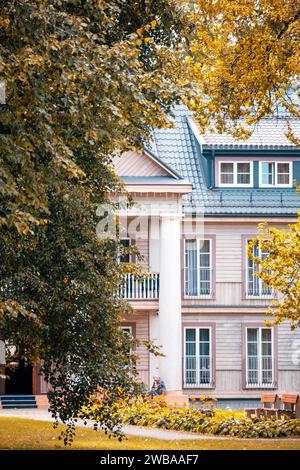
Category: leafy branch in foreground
[243,59]
[280,269]
[81,87]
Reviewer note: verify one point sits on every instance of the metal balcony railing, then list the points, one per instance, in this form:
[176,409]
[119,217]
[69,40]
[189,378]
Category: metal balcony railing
[198,283]
[197,372]
[260,372]
[255,287]
[140,287]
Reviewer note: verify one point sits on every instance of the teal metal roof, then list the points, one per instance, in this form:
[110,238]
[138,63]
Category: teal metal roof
[178,148]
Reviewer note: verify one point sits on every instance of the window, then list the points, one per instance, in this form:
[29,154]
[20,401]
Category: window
[197,357]
[260,357]
[198,272]
[255,286]
[226,173]
[124,257]
[235,174]
[275,174]
[243,173]
[128,330]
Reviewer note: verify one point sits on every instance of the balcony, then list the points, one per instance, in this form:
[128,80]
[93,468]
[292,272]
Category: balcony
[140,287]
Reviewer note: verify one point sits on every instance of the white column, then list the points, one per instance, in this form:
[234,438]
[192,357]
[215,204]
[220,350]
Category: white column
[154,244]
[170,303]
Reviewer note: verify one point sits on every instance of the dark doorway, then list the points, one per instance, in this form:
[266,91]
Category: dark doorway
[19,379]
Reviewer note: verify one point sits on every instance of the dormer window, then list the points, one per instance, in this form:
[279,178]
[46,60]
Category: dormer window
[275,174]
[238,174]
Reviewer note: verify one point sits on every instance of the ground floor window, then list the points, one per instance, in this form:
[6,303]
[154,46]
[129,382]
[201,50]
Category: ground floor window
[129,331]
[260,357]
[197,357]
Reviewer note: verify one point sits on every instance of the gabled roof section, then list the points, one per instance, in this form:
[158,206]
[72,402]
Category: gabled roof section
[143,164]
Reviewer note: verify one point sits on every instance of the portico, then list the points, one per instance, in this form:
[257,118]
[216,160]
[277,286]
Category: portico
[159,199]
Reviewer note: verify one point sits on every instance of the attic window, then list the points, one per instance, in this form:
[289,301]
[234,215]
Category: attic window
[275,174]
[237,174]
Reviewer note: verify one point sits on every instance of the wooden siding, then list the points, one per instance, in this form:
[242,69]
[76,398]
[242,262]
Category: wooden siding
[229,268]
[138,164]
[289,348]
[143,247]
[141,321]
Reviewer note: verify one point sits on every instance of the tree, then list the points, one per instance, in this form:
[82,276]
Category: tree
[81,76]
[85,79]
[280,269]
[243,60]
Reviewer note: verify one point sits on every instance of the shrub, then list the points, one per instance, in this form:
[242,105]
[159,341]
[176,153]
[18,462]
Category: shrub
[144,411]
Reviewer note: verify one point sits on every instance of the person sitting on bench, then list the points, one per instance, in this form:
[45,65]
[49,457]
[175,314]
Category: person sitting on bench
[158,387]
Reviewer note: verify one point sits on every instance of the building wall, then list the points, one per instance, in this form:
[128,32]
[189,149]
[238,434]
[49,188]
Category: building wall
[229,240]
[138,164]
[140,323]
[228,349]
[229,268]
[143,247]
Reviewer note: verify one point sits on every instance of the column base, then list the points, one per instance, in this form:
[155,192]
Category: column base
[42,401]
[176,397]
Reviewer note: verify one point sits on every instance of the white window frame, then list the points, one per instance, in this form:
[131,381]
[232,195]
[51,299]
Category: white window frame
[260,383]
[261,295]
[130,332]
[276,185]
[198,242]
[197,356]
[126,327]
[235,184]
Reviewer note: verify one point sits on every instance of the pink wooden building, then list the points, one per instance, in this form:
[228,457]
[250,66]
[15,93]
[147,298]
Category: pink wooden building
[198,200]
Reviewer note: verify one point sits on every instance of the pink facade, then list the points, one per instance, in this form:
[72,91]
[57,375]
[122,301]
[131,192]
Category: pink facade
[227,311]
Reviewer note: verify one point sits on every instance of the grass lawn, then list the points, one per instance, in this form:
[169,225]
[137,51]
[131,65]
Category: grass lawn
[16,433]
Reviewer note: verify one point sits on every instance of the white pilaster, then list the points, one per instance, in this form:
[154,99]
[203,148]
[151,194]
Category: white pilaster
[155,337]
[170,303]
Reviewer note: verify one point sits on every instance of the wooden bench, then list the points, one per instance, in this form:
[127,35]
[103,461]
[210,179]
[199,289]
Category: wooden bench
[270,402]
[291,405]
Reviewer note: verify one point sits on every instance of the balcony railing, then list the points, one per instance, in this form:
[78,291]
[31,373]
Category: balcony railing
[197,372]
[257,378]
[140,287]
[198,283]
[262,293]
[259,384]
[255,287]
